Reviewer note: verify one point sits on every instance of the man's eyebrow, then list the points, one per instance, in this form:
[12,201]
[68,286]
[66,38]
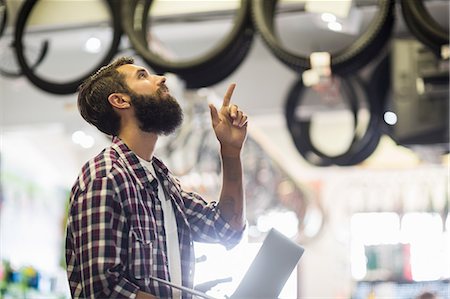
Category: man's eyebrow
[142,70]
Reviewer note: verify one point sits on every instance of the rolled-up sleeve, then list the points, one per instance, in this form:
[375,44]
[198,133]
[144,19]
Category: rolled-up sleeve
[96,222]
[207,225]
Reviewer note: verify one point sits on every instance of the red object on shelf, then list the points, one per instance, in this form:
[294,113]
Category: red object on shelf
[407,262]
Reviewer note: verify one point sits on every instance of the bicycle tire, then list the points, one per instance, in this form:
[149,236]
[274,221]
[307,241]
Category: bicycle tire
[70,86]
[375,92]
[344,62]
[223,67]
[3,16]
[42,52]
[360,147]
[207,69]
[423,26]
[379,90]
[300,130]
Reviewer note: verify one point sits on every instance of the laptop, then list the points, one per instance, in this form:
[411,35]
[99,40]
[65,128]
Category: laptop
[270,269]
[267,274]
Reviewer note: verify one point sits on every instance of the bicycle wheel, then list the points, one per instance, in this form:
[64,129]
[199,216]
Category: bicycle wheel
[54,85]
[345,61]
[423,26]
[200,71]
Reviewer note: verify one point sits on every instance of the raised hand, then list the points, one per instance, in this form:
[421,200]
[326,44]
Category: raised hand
[230,124]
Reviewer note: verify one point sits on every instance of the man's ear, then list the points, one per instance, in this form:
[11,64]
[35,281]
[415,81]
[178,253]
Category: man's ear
[119,100]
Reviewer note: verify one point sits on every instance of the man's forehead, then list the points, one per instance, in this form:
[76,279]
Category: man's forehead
[129,69]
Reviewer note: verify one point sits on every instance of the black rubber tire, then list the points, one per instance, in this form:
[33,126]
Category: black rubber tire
[66,87]
[3,16]
[379,89]
[42,53]
[423,26]
[360,148]
[202,71]
[347,61]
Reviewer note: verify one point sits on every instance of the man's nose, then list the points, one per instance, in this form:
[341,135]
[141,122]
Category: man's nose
[160,79]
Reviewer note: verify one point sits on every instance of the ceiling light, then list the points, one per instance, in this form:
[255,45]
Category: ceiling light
[328,17]
[390,118]
[82,139]
[87,142]
[335,26]
[93,45]
[77,137]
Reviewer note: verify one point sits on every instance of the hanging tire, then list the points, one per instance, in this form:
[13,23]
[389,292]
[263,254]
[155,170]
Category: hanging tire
[3,16]
[347,61]
[423,26]
[70,86]
[360,148]
[203,71]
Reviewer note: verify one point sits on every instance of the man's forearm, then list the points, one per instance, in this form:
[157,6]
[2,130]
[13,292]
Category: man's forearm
[232,201]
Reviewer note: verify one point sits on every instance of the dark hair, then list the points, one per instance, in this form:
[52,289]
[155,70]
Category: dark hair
[93,96]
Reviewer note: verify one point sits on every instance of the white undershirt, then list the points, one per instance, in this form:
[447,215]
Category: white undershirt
[170,226]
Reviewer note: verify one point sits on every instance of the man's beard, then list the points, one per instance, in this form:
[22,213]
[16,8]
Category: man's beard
[158,113]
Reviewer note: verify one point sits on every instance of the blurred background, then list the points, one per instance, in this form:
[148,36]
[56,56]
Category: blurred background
[348,143]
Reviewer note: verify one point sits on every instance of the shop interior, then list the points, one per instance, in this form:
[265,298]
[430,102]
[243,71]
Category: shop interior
[347,151]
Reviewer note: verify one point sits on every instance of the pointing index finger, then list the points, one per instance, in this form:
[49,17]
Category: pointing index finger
[228,94]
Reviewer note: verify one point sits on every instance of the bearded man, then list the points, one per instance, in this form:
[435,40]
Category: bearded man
[130,223]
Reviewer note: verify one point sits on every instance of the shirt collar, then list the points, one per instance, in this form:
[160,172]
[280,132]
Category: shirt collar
[132,161]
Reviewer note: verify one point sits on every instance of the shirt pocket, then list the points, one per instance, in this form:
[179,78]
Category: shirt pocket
[140,254]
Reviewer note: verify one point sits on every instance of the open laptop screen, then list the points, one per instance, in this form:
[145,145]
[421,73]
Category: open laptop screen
[270,269]
[268,273]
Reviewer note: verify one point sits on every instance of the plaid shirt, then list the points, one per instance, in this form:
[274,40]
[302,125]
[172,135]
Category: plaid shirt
[115,234]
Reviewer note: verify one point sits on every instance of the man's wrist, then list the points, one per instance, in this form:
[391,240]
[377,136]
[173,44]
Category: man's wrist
[230,151]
